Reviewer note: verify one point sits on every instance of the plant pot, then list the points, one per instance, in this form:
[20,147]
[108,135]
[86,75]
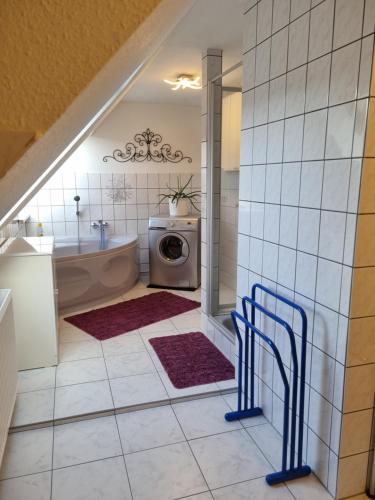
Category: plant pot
[179,209]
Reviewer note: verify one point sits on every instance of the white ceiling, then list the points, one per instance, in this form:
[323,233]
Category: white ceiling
[213,24]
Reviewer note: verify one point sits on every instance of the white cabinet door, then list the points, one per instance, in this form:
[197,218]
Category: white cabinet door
[231,131]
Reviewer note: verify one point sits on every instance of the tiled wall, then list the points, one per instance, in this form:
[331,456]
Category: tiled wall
[359,392]
[125,201]
[15,229]
[228,228]
[307,68]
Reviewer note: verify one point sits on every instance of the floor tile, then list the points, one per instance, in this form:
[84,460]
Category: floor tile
[136,363]
[224,385]
[85,441]
[164,473]
[255,489]
[33,407]
[203,417]
[103,479]
[151,335]
[35,380]
[81,371]
[269,441]
[231,399]
[179,393]
[141,430]
[73,351]
[123,344]
[34,487]
[229,458]
[159,326]
[201,496]
[308,488]
[27,452]
[81,399]
[72,334]
[137,389]
[187,323]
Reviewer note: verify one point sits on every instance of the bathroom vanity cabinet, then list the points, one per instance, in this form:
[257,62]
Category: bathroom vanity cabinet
[26,267]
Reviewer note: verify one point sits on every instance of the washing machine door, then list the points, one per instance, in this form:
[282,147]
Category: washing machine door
[173,249]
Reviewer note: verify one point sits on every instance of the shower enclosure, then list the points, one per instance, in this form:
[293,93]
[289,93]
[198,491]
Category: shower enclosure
[223,192]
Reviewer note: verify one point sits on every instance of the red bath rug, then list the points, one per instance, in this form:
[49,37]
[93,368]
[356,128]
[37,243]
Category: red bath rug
[129,315]
[191,359]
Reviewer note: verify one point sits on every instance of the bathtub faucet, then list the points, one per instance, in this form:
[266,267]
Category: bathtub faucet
[101,225]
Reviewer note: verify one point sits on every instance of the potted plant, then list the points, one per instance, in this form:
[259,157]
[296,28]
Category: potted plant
[179,199]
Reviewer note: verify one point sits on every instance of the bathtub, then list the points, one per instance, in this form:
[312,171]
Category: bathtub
[87,274]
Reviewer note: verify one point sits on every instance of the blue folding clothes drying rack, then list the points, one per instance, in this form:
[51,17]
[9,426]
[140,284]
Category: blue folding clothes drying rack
[244,410]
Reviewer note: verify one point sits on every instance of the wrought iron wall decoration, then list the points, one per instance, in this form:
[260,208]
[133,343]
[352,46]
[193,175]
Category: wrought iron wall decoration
[147,149]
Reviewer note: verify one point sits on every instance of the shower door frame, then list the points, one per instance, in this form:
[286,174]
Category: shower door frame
[213,181]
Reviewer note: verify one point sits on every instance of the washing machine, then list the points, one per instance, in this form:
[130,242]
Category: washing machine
[174,247]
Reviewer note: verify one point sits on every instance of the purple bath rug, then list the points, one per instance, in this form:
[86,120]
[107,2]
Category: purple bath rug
[191,359]
[129,315]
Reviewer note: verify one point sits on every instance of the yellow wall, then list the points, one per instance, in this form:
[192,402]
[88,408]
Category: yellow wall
[51,49]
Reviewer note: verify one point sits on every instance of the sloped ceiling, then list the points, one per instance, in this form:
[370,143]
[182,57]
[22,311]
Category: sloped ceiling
[93,102]
[51,49]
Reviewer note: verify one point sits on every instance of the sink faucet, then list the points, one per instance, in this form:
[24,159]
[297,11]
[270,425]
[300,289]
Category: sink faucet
[101,225]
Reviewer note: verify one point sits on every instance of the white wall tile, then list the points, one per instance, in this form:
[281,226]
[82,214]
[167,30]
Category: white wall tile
[332,235]
[280,17]
[246,151]
[261,104]
[288,226]
[322,373]
[287,266]
[320,416]
[291,174]
[277,98]
[321,29]
[318,456]
[258,182]
[247,111]
[249,72]
[348,21]
[314,135]
[308,230]
[306,274]
[298,41]
[298,7]
[262,65]
[311,184]
[340,131]
[336,173]
[275,142]
[260,144]
[279,53]
[264,23]
[256,255]
[249,34]
[317,88]
[360,128]
[295,92]
[325,331]
[328,283]
[273,183]
[243,250]
[293,138]
[344,73]
[271,222]
[270,257]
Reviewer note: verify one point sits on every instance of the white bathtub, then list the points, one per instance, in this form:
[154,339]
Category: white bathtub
[87,274]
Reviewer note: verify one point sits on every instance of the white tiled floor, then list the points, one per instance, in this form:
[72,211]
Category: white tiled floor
[181,450]
[105,376]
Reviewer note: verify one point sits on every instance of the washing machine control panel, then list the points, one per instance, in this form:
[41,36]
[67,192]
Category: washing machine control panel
[174,223]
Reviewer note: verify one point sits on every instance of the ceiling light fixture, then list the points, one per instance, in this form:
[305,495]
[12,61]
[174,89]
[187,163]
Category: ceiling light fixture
[185,82]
